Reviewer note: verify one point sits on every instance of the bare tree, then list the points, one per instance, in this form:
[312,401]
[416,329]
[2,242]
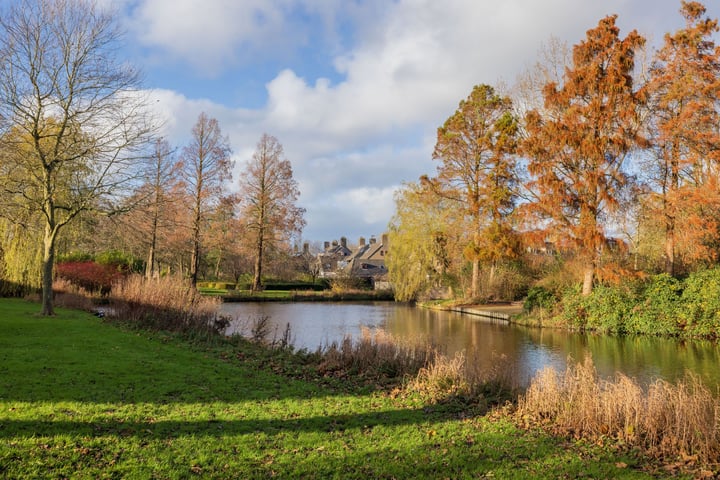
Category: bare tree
[74,123]
[268,195]
[162,179]
[207,166]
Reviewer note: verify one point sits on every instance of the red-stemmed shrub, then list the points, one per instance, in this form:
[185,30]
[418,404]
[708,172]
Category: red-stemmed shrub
[90,275]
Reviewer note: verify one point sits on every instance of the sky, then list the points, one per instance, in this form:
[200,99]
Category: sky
[354,90]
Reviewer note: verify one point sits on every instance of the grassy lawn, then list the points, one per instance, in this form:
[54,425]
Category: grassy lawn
[80,398]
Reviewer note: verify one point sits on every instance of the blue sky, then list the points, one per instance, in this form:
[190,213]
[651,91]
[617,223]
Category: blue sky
[354,90]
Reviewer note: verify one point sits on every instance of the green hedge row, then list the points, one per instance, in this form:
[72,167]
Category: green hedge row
[296,286]
[217,285]
[319,286]
[658,305]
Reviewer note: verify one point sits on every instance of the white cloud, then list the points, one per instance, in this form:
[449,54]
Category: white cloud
[213,34]
[352,140]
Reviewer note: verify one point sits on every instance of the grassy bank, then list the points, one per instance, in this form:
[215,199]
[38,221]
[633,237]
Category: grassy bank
[299,295]
[80,398]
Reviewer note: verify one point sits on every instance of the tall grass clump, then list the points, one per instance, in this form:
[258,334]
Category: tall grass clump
[449,378]
[167,303]
[665,420]
[375,355]
[69,295]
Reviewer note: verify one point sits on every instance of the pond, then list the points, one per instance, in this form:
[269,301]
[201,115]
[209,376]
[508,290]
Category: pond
[528,350]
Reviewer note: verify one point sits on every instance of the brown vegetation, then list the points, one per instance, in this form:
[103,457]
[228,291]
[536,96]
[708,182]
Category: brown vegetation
[459,378]
[167,303]
[375,355]
[664,420]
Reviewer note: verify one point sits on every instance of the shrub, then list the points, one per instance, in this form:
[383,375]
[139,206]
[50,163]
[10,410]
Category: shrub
[216,285]
[608,307]
[573,308]
[347,283]
[296,286]
[539,297]
[656,311]
[90,275]
[699,314]
[121,260]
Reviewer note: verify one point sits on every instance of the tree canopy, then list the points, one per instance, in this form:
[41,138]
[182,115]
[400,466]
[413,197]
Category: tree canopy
[74,126]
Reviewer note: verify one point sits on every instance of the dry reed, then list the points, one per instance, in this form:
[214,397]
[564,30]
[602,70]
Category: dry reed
[67,294]
[376,355]
[665,420]
[167,303]
[462,377]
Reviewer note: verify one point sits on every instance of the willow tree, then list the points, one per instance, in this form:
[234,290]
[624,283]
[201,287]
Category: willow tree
[684,88]
[475,148]
[74,123]
[268,197]
[424,234]
[577,145]
[206,168]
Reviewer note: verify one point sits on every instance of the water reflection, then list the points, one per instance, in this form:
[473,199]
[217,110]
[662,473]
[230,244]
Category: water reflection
[527,349]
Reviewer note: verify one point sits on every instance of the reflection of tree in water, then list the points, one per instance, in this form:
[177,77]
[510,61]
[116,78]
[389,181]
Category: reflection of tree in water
[489,344]
[644,358]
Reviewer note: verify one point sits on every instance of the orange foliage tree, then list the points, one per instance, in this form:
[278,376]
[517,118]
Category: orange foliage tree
[577,145]
[685,90]
[207,165]
[268,202]
[476,147]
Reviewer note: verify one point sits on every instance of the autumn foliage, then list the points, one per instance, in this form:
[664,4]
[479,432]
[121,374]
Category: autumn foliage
[477,173]
[602,166]
[577,147]
[684,89]
[90,275]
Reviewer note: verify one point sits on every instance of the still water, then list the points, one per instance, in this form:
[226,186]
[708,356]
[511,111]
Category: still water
[528,350]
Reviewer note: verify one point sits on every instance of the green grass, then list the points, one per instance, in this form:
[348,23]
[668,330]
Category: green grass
[80,398]
[298,296]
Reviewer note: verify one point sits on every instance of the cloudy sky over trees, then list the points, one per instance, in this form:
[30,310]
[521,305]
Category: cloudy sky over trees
[354,90]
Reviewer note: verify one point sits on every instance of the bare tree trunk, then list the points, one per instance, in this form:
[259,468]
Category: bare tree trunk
[669,206]
[195,254]
[257,279]
[475,284]
[588,278]
[217,265]
[150,266]
[47,269]
[669,247]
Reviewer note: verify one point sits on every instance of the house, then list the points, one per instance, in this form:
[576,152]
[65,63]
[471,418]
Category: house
[366,261]
[333,257]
